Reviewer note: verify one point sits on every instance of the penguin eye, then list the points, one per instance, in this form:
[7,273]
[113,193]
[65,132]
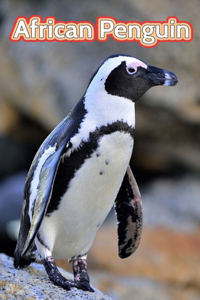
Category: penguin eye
[131,70]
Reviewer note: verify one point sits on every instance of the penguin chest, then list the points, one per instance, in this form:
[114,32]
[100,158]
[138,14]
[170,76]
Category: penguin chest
[89,196]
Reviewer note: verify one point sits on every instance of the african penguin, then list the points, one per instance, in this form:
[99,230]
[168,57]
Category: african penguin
[82,169]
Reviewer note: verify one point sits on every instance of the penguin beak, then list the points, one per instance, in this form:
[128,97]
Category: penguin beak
[159,76]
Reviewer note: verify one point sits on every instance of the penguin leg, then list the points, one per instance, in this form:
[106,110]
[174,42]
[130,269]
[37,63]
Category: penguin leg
[58,279]
[80,273]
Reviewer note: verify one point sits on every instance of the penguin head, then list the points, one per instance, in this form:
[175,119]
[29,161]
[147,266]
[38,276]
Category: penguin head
[128,77]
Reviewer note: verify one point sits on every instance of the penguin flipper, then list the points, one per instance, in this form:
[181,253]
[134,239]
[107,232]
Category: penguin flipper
[57,141]
[28,229]
[47,176]
[128,208]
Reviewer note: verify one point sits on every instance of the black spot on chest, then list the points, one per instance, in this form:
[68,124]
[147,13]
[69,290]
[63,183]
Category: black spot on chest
[107,162]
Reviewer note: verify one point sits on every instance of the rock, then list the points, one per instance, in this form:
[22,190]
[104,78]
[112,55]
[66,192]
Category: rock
[33,283]
[172,203]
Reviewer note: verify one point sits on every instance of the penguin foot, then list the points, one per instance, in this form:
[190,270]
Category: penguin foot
[81,275]
[58,279]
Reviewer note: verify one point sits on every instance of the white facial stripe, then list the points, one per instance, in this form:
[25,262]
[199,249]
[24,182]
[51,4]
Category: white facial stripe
[113,63]
[36,176]
[137,64]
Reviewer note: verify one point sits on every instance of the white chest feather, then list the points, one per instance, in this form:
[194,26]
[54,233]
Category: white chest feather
[71,229]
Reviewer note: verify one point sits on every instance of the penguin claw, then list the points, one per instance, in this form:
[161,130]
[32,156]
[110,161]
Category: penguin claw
[64,285]
[85,286]
[68,284]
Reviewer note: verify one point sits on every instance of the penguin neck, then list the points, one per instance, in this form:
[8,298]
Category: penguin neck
[103,109]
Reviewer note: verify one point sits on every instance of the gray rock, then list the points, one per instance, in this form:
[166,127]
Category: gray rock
[33,283]
[172,203]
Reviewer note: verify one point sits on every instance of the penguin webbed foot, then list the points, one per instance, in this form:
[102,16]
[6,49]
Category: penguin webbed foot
[58,279]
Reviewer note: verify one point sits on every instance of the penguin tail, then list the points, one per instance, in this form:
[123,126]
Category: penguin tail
[25,260]
[22,261]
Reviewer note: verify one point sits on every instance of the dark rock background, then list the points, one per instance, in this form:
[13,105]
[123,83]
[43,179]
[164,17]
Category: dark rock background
[39,84]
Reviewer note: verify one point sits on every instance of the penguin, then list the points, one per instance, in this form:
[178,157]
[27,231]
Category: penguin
[82,170]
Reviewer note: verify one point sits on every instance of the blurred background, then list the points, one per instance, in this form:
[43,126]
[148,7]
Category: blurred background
[40,83]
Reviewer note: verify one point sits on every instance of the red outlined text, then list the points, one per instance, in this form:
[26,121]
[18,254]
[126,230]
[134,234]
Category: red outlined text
[36,30]
[148,34]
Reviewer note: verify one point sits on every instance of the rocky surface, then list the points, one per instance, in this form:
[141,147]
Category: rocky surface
[127,280]
[33,283]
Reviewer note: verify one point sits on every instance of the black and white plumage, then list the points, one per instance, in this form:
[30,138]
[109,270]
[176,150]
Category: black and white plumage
[82,169]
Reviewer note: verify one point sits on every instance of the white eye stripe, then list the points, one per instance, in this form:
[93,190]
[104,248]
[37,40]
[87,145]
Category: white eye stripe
[131,68]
